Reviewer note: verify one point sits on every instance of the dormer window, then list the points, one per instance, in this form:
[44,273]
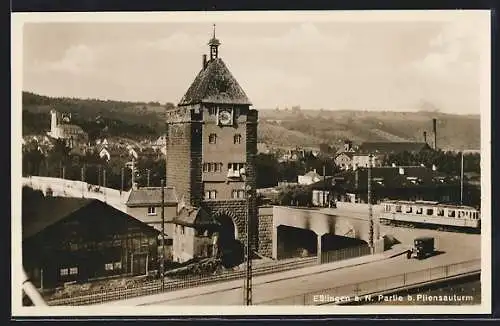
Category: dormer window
[237,139]
[212,139]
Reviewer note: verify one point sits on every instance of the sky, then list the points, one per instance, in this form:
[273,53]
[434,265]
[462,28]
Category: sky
[402,65]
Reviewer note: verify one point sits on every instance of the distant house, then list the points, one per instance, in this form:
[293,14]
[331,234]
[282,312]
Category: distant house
[61,128]
[309,178]
[401,182]
[160,144]
[363,160]
[263,148]
[344,160]
[194,234]
[76,239]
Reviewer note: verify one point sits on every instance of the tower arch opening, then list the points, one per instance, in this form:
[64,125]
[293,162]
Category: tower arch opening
[230,249]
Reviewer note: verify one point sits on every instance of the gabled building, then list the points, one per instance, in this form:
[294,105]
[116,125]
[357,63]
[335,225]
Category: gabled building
[145,205]
[75,239]
[194,234]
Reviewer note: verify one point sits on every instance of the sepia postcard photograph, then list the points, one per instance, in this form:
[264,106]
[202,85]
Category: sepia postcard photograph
[251,163]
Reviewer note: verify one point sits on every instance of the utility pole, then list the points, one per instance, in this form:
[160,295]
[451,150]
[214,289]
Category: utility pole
[324,185]
[148,171]
[162,263]
[64,172]
[123,176]
[462,179]
[133,173]
[104,183]
[248,249]
[83,180]
[99,176]
[370,209]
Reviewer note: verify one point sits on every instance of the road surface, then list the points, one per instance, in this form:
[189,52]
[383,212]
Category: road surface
[455,248]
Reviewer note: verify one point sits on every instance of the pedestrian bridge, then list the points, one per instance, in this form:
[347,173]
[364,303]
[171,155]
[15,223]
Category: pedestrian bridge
[348,220]
[78,189]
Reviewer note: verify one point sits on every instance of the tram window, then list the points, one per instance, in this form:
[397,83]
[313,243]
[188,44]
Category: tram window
[398,208]
[408,209]
[460,214]
[440,212]
[430,211]
[451,213]
[419,210]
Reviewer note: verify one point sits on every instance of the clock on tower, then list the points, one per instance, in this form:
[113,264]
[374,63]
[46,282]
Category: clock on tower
[225,117]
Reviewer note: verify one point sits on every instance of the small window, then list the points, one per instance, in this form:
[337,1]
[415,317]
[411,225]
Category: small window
[237,139]
[63,271]
[209,169]
[440,212]
[451,213]
[212,139]
[205,167]
[73,271]
[408,209]
[210,194]
[118,265]
[398,208]
[238,194]
[108,267]
[151,210]
[419,210]
[212,110]
[430,211]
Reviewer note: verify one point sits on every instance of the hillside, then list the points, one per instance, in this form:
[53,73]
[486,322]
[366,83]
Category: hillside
[281,128]
[360,126]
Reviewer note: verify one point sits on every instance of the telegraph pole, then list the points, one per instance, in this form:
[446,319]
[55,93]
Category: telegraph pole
[462,179]
[64,172]
[104,183]
[83,180]
[162,263]
[133,176]
[248,247]
[123,176]
[370,209]
[148,171]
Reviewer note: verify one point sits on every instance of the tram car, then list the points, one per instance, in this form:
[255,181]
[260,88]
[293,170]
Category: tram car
[427,214]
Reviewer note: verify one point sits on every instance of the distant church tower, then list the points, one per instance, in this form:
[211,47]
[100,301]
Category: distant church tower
[211,147]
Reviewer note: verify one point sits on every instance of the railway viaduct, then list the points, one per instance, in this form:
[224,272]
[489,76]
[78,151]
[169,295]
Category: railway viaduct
[347,220]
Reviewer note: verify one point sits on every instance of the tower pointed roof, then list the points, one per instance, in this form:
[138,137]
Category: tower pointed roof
[215,84]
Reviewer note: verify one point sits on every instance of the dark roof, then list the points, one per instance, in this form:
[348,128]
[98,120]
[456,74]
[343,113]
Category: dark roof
[215,84]
[391,147]
[40,213]
[151,196]
[192,216]
[348,154]
[389,178]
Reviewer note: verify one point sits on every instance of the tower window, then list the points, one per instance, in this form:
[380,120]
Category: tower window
[151,210]
[212,110]
[238,194]
[210,194]
[212,139]
[237,139]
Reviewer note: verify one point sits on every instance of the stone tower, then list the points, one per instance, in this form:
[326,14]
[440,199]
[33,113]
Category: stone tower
[211,148]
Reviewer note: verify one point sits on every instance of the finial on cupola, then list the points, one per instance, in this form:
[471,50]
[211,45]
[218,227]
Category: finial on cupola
[214,46]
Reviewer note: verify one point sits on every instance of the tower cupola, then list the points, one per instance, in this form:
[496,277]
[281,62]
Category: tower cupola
[214,46]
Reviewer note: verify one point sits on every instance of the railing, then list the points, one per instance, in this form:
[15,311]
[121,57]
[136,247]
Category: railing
[345,253]
[155,287]
[390,284]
